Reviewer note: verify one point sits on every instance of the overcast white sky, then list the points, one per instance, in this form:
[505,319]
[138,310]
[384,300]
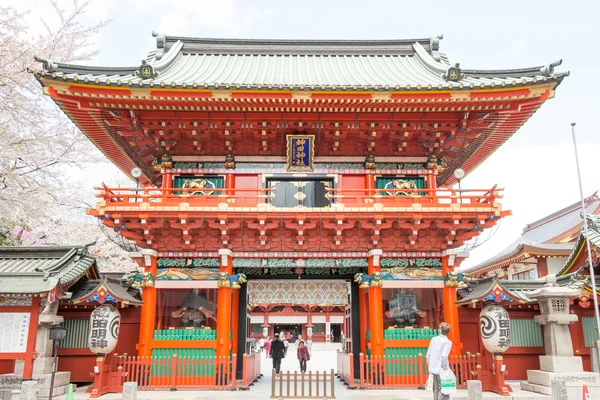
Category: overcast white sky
[536,166]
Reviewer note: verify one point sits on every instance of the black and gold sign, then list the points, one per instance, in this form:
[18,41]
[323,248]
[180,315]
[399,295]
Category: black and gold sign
[300,153]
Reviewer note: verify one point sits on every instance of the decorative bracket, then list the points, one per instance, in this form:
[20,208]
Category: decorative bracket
[231,281]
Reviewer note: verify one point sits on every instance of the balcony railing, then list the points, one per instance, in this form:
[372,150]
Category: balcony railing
[259,198]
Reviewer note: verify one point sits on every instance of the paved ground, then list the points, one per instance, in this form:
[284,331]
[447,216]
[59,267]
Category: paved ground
[323,359]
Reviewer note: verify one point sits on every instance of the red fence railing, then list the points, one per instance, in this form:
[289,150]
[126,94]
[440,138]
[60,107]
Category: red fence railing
[238,197]
[345,368]
[251,369]
[178,372]
[411,371]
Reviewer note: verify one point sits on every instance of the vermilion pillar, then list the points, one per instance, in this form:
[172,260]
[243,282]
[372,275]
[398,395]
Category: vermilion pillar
[450,308]
[224,307]
[376,307]
[148,315]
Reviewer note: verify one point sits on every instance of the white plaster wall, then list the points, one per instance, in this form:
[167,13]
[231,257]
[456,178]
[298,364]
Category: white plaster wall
[555,264]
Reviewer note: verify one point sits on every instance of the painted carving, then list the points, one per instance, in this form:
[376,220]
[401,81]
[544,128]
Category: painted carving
[139,280]
[436,164]
[232,281]
[9,301]
[163,163]
[401,187]
[457,280]
[404,273]
[229,162]
[200,183]
[188,274]
[370,162]
[365,281]
[494,324]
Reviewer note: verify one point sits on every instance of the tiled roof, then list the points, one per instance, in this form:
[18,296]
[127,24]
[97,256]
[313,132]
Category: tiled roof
[539,237]
[292,64]
[39,269]
[581,242]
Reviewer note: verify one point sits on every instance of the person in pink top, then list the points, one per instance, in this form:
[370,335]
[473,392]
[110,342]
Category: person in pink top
[268,345]
[303,355]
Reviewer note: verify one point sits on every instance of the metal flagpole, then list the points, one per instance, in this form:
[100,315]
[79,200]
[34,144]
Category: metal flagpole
[585,230]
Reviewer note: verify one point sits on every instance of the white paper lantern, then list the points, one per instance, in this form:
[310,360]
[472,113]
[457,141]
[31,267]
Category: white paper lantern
[104,329]
[494,324]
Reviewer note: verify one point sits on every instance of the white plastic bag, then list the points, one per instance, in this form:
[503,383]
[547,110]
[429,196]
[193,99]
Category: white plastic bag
[429,384]
[448,381]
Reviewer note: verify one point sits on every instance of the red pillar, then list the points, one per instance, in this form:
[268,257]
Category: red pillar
[148,314]
[224,307]
[450,308]
[376,307]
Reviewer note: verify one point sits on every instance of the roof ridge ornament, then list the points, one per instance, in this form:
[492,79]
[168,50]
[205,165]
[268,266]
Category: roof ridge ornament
[48,65]
[434,44]
[454,74]
[548,70]
[161,41]
[146,71]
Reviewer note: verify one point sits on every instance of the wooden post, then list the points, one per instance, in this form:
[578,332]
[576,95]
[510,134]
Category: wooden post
[148,314]
[224,307]
[450,308]
[376,306]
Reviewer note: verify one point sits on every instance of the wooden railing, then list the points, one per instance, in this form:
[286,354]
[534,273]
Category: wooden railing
[178,372]
[309,385]
[442,197]
[251,369]
[412,372]
[345,368]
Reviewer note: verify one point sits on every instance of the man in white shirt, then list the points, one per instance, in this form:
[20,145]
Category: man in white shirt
[437,359]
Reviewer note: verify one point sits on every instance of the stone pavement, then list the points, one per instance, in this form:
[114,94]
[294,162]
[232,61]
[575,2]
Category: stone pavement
[323,359]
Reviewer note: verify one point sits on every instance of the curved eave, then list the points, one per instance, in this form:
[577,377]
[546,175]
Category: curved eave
[522,252]
[514,105]
[100,78]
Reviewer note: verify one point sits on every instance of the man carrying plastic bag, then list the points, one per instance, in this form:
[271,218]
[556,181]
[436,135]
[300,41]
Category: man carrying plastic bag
[444,381]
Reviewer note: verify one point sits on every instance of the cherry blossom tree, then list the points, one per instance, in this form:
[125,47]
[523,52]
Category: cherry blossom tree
[39,145]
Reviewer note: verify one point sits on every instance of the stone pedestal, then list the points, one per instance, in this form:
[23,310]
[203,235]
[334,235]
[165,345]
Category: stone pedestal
[559,363]
[42,366]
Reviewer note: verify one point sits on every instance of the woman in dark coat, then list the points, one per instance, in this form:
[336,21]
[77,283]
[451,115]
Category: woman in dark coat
[303,355]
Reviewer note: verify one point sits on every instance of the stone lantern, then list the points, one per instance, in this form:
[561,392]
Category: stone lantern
[558,363]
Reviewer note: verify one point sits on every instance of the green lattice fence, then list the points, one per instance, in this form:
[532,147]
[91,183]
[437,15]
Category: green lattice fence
[526,333]
[77,334]
[590,334]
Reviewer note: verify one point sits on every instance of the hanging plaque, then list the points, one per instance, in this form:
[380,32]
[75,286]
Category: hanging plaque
[300,153]
[104,329]
[494,324]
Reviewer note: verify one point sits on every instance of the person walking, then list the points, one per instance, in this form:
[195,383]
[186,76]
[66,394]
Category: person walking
[437,359]
[268,345]
[309,344]
[303,355]
[261,344]
[277,352]
[286,344]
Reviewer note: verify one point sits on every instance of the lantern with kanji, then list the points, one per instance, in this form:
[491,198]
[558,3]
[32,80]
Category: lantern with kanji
[494,325]
[104,329]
